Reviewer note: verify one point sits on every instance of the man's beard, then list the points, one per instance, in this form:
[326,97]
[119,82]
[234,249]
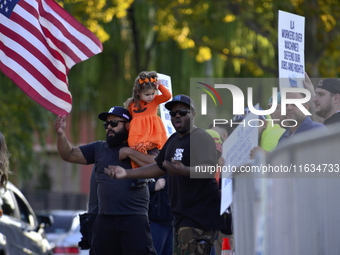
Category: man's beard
[117,139]
[324,112]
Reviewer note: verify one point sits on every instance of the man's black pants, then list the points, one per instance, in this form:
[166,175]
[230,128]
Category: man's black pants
[121,235]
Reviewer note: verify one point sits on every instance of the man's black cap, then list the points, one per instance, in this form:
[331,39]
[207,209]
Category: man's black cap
[116,110]
[331,84]
[180,99]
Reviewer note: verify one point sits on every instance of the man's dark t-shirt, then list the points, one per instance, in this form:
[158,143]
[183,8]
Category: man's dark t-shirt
[194,202]
[335,118]
[115,197]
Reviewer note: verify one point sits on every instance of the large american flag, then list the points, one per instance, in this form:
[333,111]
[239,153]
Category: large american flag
[39,43]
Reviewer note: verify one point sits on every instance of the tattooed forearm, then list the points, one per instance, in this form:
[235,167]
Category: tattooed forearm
[76,153]
[66,151]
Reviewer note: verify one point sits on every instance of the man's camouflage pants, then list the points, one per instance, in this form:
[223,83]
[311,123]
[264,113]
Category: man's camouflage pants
[193,241]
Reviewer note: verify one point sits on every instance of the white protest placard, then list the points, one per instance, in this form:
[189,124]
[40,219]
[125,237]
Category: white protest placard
[291,49]
[165,116]
[236,152]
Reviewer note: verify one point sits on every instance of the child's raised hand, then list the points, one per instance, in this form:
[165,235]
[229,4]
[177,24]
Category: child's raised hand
[157,83]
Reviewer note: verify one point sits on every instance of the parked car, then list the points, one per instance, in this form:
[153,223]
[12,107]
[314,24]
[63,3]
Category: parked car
[64,235]
[3,245]
[22,232]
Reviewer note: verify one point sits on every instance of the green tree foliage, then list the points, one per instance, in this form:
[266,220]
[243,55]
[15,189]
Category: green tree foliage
[24,124]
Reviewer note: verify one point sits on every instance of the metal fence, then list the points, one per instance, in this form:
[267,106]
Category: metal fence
[294,212]
[42,200]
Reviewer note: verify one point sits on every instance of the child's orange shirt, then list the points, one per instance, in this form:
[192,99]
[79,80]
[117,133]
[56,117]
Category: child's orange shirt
[146,126]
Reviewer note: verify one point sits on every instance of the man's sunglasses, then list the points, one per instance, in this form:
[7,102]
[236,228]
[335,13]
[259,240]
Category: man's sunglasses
[182,112]
[112,123]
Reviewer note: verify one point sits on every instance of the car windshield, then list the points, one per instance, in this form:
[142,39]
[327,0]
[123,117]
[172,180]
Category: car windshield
[62,224]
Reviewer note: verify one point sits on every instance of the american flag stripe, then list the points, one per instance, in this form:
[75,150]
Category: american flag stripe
[37,40]
[39,44]
[27,9]
[31,74]
[35,55]
[35,73]
[77,39]
[76,29]
[47,102]
[40,71]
